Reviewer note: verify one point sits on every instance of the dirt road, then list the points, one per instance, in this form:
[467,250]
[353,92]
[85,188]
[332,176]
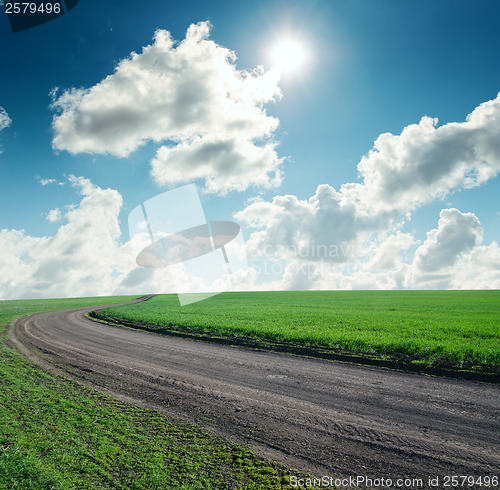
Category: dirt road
[326,417]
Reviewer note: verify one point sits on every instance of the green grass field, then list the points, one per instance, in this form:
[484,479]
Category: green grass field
[58,434]
[453,328]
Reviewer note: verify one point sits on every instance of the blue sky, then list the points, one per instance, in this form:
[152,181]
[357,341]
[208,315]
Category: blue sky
[423,213]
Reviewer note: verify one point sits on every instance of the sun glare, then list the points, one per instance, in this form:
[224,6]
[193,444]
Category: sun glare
[289,55]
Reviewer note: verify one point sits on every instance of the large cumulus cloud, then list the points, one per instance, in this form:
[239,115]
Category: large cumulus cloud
[426,162]
[190,98]
[85,257]
[456,234]
[362,221]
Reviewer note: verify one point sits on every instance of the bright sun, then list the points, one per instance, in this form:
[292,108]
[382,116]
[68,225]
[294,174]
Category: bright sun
[288,55]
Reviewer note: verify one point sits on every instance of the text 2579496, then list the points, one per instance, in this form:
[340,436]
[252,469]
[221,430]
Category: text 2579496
[33,8]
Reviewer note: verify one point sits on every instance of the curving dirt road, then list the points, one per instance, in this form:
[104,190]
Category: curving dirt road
[329,418]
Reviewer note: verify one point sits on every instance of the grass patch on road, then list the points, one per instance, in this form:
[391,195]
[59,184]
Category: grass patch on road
[457,330]
[59,434]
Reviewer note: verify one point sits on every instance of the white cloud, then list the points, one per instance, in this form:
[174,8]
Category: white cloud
[54,215]
[387,253]
[456,234]
[189,95]
[362,220]
[85,257]
[226,163]
[5,120]
[426,162]
[450,258]
[85,186]
[45,182]
[486,258]
[480,269]
[328,226]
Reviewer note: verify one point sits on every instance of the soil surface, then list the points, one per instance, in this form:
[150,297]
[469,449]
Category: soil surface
[325,417]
